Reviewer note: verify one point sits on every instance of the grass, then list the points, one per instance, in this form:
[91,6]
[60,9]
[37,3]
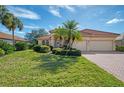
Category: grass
[28,68]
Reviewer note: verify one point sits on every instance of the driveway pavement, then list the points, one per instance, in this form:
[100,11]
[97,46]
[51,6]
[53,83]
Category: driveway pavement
[112,62]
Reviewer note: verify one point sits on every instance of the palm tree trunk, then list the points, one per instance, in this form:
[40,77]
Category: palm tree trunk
[68,43]
[60,43]
[13,39]
[72,43]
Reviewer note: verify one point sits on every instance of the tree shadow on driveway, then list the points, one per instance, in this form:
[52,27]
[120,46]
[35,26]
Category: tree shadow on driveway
[55,63]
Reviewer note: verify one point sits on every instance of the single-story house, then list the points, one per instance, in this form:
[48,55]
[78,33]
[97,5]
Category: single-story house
[8,38]
[93,40]
[120,40]
[45,40]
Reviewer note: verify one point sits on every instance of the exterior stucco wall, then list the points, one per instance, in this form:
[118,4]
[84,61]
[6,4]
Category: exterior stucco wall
[40,42]
[85,44]
[52,42]
[9,41]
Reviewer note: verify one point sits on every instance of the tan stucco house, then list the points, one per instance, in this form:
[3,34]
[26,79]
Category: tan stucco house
[93,40]
[8,38]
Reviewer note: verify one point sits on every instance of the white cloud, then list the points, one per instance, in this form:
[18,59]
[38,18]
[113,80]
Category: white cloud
[114,20]
[83,6]
[70,8]
[20,32]
[25,13]
[31,27]
[55,11]
[53,27]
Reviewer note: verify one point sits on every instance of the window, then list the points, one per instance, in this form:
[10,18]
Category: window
[47,42]
[43,42]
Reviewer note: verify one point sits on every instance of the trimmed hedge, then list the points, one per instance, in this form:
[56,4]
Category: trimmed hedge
[8,48]
[2,52]
[21,46]
[59,51]
[120,48]
[37,48]
[45,49]
[41,49]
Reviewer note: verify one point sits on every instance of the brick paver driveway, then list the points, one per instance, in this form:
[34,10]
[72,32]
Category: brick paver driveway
[112,62]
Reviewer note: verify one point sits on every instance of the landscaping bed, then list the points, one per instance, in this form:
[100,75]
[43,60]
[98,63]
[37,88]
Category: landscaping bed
[120,48]
[72,52]
[28,68]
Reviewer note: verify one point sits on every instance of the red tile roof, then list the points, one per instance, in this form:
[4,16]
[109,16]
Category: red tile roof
[87,32]
[90,32]
[9,37]
[46,37]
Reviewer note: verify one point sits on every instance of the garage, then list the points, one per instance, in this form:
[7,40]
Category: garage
[100,45]
[94,40]
[80,45]
[96,45]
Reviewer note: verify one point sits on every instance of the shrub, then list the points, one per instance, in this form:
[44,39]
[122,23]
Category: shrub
[74,53]
[120,48]
[21,46]
[2,52]
[8,48]
[41,49]
[71,52]
[51,48]
[30,46]
[45,49]
[59,51]
[37,48]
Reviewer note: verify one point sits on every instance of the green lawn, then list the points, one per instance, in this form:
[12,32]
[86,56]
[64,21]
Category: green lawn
[27,68]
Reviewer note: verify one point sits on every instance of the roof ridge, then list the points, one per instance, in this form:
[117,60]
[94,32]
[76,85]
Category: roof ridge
[9,36]
[100,31]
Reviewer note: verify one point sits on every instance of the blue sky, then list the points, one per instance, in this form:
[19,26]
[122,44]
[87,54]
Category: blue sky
[104,18]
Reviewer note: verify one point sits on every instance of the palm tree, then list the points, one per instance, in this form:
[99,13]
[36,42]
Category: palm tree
[16,23]
[71,26]
[76,36]
[9,21]
[3,11]
[59,34]
[12,22]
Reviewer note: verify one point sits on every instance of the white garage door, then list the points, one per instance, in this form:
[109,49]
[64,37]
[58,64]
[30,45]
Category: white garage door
[100,46]
[80,45]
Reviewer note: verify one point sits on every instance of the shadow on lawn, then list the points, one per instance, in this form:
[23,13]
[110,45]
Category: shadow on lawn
[54,63]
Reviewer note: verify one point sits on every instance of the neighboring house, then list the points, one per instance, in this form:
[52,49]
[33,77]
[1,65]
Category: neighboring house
[8,38]
[93,40]
[44,40]
[120,40]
